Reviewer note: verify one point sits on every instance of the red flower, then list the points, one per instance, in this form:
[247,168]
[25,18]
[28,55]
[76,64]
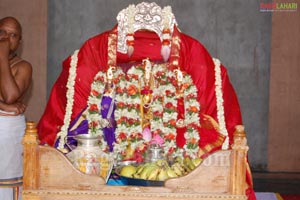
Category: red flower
[122,120]
[190,96]
[130,121]
[134,76]
[170,136]
[115,81]
[173,81]
[93,124]
[172,122]
[137,156]
[137,106]
[133,106]
[119,90]
[193,109]
[169,93]
[157,114]
[139,136]
[185,85]
[94,108]
[100,79]
[122,136]
[169,105]
[160,73]
[132,90]
[120,104]
[146,90]
[95,93]
[193,141]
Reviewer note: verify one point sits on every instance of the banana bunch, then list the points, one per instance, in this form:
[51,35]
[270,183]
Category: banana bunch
[184,166]
[158,170]
[161,171]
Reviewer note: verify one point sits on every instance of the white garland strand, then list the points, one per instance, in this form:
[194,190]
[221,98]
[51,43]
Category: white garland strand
[70,100]
[171,116]
[95,100]
[219,101]
[191,118]
[157,105]
[120,146]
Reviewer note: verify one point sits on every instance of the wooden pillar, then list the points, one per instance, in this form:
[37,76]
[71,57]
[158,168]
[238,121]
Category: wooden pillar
[30,143]
[238,158]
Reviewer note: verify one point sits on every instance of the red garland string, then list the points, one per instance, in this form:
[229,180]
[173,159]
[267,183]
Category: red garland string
[180,140]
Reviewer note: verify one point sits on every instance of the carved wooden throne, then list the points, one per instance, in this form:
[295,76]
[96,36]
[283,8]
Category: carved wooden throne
[49,175]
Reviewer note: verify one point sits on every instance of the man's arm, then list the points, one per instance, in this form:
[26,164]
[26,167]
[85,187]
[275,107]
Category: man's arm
[12,87]
[12,109]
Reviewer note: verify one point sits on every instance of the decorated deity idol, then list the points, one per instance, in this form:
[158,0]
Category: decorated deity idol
[143,82]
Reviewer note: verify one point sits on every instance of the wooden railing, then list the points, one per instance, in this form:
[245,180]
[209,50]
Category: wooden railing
[49,175]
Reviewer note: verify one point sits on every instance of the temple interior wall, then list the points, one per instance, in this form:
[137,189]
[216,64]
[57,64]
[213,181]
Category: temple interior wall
[246,40]
[284,115]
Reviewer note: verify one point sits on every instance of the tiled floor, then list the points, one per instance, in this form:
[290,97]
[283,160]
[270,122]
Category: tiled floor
[283,183]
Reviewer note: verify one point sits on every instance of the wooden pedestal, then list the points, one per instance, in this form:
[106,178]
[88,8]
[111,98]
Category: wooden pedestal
[49,175]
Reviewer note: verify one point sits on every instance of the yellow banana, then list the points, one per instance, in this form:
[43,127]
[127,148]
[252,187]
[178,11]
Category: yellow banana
[197,161]
[177,171]
[178,159]
[171,173]
[190,164]
[153,174]
[145,173]
[138,176]
[140,168]
[161,163]
[163,175]
[180,167]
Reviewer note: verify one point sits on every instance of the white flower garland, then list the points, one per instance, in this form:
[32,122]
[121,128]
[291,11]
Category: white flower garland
[94,101]
[219,101]
[121,110]
[129,115]
[192,118]
[166,123]
[70,100]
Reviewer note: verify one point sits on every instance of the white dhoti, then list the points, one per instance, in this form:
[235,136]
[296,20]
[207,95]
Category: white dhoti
[12,129]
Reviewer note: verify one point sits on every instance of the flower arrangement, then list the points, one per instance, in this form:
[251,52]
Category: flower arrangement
[128,90]
[128,132]
[192,110]
[131,137]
